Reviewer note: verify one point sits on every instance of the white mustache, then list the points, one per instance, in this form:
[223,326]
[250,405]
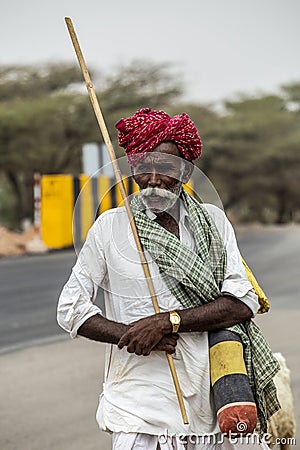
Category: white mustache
[157,192]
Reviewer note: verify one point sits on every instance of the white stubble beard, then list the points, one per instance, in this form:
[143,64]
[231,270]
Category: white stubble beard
[162,199]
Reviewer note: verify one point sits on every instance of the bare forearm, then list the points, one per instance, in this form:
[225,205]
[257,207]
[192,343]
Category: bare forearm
[98,328]
[144,334]
[221,313]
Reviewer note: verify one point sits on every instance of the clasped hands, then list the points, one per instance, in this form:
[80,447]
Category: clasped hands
[148,334]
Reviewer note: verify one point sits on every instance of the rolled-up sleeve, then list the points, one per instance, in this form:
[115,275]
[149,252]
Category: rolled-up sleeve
[236,282]
[76,301]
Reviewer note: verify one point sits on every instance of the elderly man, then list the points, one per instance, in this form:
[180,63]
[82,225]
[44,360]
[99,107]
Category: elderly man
[200,283]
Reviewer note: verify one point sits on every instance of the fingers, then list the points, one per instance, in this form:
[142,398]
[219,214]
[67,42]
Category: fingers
[134,348]
[123,341]
[137,349]
[168,343]
[170,339]
[170,350]
[142,338]
[134,344]
[166,348]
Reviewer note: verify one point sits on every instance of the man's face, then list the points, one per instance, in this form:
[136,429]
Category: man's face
[159,177]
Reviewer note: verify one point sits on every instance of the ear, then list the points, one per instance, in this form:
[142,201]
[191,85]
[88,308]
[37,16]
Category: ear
[187,172]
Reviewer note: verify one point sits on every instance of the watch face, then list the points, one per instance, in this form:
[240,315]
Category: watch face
[175,319]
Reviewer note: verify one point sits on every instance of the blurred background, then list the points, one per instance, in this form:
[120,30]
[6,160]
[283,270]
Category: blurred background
[234,68]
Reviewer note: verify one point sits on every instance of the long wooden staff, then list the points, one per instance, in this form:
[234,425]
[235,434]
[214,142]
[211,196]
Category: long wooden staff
[121,185]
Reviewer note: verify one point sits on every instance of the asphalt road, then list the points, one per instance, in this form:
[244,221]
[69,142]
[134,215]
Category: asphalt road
[274,255]
[49,393]
[30,286]
[29,289]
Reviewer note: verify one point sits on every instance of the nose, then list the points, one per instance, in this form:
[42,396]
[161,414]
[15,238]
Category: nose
[154,179]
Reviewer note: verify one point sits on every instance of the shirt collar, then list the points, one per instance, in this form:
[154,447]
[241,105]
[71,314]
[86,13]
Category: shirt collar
[183,214]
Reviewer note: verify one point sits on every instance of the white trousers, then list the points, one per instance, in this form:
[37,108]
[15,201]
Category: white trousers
[139,441]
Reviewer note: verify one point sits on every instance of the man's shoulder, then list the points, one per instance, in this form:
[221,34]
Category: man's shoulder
[110,215]
[220,219]
[112,212]
[113,220]
[214,211]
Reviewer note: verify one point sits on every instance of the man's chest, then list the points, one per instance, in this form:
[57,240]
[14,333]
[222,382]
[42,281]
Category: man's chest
[169,223]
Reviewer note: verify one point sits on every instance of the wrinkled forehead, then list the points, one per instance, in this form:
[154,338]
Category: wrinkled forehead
[165,148]
[157,157]
[163,163]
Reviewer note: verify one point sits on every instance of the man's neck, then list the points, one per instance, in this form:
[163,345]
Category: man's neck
[173,212]
[169,219]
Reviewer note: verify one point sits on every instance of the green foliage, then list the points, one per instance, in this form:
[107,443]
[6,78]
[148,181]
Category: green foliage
[139,85]
[31,82]
[250,152]
[46,116]
[254,160]
[8,204]
[142,84]
[292,91]
[42,134]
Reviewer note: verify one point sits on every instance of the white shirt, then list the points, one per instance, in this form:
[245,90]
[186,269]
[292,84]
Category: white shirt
[138,393]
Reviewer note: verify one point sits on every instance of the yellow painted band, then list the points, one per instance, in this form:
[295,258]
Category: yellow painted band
[226,358]
[262,298]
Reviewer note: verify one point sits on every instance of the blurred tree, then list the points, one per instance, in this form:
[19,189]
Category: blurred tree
[140,84]
[43,134]
[31,82]
[250,153]
[292,92]
[45,117]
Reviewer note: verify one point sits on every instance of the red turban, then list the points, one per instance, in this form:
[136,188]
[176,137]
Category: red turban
[148,128]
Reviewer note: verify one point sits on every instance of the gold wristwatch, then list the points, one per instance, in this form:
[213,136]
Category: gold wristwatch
[175,321]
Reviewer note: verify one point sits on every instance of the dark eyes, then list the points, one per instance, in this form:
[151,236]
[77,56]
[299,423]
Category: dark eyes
[143,168]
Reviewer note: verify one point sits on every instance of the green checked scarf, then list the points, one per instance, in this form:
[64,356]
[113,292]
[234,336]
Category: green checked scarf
[196,278]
